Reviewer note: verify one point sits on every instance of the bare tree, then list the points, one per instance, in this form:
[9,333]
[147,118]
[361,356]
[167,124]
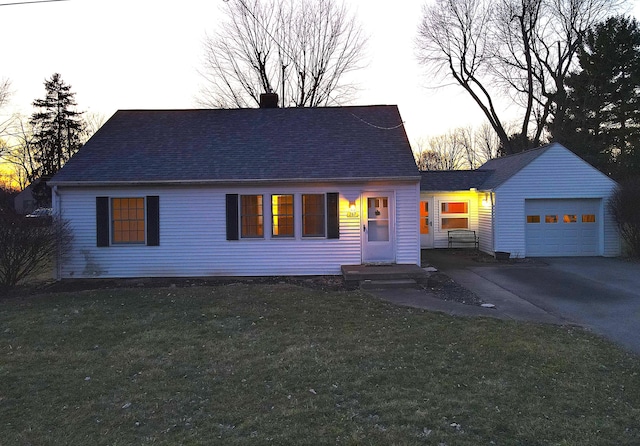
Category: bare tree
[300,49]
[92,123]
[486,143]
[22,153]
[5,94]
[519,51]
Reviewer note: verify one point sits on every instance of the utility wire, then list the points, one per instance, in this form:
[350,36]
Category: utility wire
[30,2]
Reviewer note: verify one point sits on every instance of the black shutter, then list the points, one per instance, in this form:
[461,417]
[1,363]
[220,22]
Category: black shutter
[232,217]
[153,220]
[333,215]
[102,221]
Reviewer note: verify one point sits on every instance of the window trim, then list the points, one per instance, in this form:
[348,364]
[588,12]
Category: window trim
[260,217]
[445,215]
[113,222]
[279,215]
[304,215]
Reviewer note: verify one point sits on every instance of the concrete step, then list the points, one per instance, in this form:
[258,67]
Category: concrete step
[383,284]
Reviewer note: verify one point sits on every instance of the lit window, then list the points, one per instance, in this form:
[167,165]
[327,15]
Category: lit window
[455,223]
[424,217]
[551,219]
[588,218]
[460,207]
[251,216]
[282,215]
[313,215]
[570,218]
[456,215]
[127,220]
[533,219]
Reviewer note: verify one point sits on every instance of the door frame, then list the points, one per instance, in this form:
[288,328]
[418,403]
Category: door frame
[427,240]
[375,252]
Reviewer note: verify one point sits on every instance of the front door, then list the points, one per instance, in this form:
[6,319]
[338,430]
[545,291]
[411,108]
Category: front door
[378,228]
[426,223]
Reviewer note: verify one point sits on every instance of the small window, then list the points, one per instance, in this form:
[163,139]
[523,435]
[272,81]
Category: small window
[455,223]
[282,215]
[458,207]
[251,216]
[533,219]
[127,220]
[588,218]
[570,218]
[551,219]
[313,215]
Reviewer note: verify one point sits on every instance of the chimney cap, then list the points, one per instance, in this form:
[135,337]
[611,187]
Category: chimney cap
[269,100]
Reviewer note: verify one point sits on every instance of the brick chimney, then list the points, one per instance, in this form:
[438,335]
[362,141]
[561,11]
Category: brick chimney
[269,100]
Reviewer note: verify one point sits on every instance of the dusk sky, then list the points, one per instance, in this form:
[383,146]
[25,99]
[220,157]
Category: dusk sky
[139,54]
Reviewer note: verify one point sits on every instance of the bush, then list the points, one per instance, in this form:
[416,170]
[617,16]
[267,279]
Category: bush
[28,245]
[625,207]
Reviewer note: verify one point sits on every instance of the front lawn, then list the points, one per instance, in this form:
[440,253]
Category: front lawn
[281,364]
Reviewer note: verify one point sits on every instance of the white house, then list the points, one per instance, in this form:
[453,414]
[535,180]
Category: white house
[247,192]
[542,202]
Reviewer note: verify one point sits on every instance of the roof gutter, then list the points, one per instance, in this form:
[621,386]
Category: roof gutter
[411,179]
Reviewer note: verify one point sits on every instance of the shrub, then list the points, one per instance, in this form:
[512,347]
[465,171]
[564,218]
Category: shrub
[625,207]
[28,245]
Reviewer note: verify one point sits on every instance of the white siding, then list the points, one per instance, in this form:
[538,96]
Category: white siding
[557,173]
[193,235]
[407,225]
[485,224]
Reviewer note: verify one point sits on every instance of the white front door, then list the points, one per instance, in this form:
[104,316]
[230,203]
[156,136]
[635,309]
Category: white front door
[426,223]
[378,228]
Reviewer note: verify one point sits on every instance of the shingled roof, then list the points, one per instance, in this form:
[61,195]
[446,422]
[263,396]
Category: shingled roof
[156,146]
[487,177]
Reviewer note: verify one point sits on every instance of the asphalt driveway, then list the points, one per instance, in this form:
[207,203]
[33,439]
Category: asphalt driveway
[602,294]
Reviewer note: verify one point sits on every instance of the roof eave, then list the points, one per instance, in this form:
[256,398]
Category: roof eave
[350,180]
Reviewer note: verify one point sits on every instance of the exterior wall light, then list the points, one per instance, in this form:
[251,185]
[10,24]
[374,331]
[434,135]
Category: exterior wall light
[353,211]
[486,201]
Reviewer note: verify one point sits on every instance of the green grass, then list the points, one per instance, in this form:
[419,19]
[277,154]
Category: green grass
[279,364]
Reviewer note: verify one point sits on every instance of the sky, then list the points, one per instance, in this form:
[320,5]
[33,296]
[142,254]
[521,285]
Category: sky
[145,54]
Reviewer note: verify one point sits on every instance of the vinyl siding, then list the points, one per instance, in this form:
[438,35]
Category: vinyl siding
[407,225]
[485,226]
[193,235]
[557,173]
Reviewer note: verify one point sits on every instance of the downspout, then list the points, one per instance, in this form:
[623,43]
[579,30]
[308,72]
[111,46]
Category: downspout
[493,221]
[57,220]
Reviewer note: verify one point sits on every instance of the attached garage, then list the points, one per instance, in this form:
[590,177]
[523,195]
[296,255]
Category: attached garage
[568,227]
[542,202]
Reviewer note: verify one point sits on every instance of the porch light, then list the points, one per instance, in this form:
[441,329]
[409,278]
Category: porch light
[352,212]
[486,201]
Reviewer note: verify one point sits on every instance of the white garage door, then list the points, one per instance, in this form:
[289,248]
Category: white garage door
[562,227]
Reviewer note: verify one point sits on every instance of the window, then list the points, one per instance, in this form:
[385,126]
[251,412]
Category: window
[320,216]
[455,223]
[282,215]
[570,218]
[251,216]
[456,213]
[313,215]
[588,218]
[127,220]
[533,219]
[459,207]
[551,219]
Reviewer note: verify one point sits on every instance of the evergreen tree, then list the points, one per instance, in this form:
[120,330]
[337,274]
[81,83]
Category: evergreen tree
[602,121]
[57,127]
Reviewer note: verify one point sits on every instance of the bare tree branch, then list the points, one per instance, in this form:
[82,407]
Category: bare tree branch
[300,49]
[521,50]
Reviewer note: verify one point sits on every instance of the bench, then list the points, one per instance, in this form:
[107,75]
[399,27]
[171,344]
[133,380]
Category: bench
[463,237]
